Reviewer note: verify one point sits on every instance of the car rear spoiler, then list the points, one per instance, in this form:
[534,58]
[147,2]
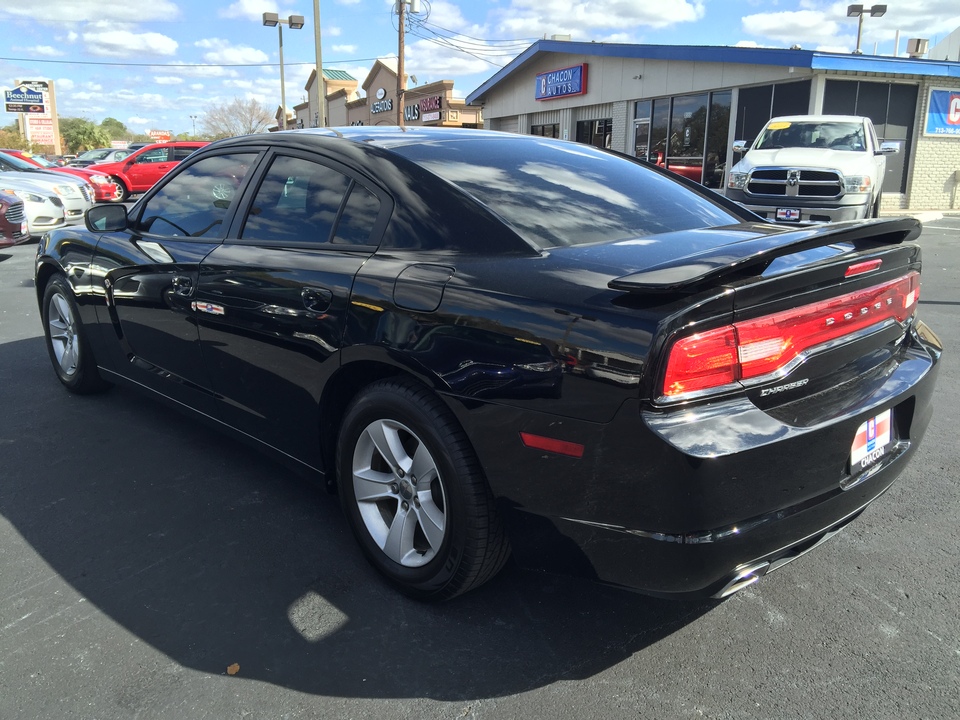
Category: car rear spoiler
[755,254]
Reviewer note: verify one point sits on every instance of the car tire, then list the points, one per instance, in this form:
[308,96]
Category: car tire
[122,193]
[66,341]
[876,206]
[434,536]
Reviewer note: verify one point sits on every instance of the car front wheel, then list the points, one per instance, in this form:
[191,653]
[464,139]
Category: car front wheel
[66,342]
[122,193]
[414,493]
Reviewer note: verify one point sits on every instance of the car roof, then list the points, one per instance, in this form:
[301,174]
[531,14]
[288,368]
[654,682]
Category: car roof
[818,118]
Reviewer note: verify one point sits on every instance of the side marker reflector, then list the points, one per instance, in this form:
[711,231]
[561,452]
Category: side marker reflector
[561,447]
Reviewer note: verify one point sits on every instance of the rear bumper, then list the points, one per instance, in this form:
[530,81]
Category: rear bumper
[684,506]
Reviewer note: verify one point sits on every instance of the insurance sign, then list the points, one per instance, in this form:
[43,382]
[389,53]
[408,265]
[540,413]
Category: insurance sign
[943,113]
[562,83]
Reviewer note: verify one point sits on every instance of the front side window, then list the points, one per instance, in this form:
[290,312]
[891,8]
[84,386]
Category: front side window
[297,202]
[157,155]
[195,202]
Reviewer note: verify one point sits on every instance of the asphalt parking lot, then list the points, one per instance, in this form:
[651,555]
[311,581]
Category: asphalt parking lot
[150,568]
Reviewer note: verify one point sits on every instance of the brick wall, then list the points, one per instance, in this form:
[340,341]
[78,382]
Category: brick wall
[932,184]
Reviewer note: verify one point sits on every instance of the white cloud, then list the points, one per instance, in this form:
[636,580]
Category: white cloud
[222,52]
[534,18]
[64,84]
[136,120]
[45,51]
[254,9]
[167,80]
[73,11]
[345,49]
[123,43]
[196,86]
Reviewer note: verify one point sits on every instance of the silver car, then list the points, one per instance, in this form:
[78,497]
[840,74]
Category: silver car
[43,208]
[76,194]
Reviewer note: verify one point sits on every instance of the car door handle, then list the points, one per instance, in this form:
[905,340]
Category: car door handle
[182,285]
[316,299]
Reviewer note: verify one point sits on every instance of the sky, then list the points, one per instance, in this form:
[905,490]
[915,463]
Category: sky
[157,64]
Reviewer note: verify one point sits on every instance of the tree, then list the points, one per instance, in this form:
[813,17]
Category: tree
[10,137]
[114,129]
[79,134]
[237,117]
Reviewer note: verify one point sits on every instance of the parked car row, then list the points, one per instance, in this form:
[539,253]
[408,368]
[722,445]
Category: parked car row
[52,196]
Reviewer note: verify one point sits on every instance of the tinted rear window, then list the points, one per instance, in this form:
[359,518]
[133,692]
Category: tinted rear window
[561,193]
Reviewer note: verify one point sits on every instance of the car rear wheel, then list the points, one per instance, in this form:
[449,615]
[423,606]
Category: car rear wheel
[122,193]
[67,344]
[414,493]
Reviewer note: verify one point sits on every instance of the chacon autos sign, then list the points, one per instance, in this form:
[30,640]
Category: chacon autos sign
[943,113]
[562,83]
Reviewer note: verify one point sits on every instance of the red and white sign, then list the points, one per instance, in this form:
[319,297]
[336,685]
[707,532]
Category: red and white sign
[953,110]
[160,135]
[39,130]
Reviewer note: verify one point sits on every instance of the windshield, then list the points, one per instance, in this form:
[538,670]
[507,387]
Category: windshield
[42,161]
[95,154]
[833,135]
[563,193]
[16,162]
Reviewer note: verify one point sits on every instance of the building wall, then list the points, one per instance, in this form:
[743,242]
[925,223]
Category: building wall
[933,183]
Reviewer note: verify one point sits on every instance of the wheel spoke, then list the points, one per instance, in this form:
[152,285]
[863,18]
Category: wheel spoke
[68,360]
[63,310]
[431,520]
[398,543]
[423,467]
[386,438]
[370,485]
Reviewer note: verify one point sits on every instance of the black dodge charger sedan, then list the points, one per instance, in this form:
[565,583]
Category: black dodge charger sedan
[488,343]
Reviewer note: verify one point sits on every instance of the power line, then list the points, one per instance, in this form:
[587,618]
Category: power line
[175,66]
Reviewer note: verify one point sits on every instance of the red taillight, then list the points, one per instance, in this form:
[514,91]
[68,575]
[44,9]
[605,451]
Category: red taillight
[759,347]
[561,447]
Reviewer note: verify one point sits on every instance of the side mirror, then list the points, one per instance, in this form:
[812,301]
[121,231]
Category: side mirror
[889,148]
[105,218]
[740,146]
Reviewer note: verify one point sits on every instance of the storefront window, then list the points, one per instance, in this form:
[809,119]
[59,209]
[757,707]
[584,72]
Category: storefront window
[641,128]
[550,131]
[718,132]
[598,133]
[688,125]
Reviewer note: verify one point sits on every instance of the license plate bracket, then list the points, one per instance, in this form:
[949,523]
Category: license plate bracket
[872,442]
[788,214]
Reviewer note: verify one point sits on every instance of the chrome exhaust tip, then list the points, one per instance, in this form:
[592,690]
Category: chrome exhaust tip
[742,578]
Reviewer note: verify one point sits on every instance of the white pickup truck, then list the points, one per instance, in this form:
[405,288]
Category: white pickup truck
[811,168]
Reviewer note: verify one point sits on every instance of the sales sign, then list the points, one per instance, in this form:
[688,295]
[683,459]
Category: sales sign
[562,83]
[943,113]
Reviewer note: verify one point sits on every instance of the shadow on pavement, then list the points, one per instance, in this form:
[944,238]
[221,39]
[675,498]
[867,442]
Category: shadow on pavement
[214,555]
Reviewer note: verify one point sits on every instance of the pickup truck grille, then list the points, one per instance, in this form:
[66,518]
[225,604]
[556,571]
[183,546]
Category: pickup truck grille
[787,182]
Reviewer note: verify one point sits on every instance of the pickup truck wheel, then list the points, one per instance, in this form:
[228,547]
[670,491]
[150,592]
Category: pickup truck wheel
[876,206]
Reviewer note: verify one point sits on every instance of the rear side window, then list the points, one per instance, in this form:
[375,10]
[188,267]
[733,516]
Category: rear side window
[559,193]
[297,202]
[181,153]
[358,218]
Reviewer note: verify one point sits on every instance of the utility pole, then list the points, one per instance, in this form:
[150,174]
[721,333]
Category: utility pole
[401,85]
[321,81]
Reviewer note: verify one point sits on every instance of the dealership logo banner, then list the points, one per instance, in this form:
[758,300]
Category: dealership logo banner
[943,113]
[562,83]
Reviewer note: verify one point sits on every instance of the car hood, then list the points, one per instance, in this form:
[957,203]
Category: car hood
[803,157]
[28,181]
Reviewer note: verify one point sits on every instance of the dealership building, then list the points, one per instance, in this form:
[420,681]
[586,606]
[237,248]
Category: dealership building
[684,106]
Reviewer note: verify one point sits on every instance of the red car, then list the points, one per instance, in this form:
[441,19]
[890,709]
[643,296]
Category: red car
[13,221]
[139,171]
[105,189]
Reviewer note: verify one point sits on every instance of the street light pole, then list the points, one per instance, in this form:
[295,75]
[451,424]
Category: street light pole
[295,22]
[194,118]
[858,11]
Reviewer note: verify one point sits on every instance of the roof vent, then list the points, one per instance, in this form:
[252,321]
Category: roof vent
[917,47]
[566,38]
